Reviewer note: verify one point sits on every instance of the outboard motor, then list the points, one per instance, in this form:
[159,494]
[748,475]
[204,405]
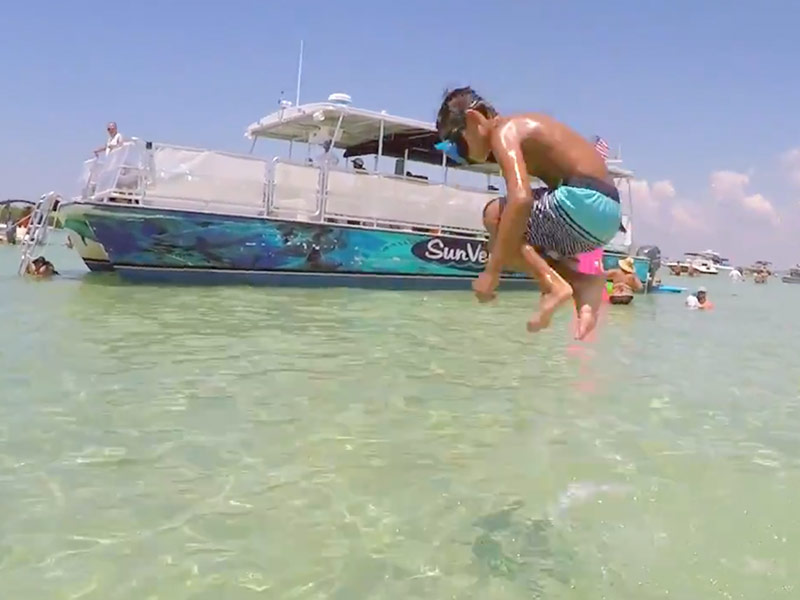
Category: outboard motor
[654,254]
[11,232]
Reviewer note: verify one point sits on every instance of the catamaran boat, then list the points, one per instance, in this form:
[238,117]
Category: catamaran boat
[166,213]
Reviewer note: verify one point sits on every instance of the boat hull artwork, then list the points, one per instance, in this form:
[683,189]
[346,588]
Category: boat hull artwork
[189,247]
[155,245]
[93,254]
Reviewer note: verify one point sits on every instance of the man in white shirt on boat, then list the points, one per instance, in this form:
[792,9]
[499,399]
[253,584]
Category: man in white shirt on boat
[114,140]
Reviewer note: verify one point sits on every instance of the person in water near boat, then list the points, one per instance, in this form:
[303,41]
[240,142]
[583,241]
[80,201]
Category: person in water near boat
[41,267]
[624,282]
[537,231]
[699,300]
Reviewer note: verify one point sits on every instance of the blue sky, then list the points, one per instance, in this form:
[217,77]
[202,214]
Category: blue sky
[688,89]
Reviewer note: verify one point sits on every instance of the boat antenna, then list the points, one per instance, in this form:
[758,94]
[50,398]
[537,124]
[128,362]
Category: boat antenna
[299,75]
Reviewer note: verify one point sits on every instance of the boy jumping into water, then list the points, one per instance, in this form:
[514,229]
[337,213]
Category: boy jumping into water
[578,212]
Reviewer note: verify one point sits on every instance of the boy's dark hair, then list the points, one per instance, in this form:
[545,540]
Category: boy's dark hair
[451,118]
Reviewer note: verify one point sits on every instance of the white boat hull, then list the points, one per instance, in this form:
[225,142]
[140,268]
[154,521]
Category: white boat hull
[92,253]
[703,269]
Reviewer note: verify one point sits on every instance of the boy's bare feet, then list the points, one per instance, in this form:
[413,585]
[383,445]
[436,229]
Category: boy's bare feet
[549,302]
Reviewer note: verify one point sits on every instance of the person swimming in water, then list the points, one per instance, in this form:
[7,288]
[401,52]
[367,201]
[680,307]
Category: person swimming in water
[41,267]
[538,231]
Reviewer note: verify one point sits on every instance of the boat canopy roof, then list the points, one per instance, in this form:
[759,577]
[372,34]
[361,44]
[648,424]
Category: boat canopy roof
[13,201]
[360,133]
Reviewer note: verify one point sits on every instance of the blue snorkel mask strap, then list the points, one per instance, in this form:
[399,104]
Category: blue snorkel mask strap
[450,150]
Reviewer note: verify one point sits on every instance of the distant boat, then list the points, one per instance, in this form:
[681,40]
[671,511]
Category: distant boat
[12,224]
[704,266]
[721,263]
[759,266]
[793,276]
[694,261]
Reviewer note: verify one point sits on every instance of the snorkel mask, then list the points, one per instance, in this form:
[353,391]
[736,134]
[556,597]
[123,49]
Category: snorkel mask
[453,144]
[455,149]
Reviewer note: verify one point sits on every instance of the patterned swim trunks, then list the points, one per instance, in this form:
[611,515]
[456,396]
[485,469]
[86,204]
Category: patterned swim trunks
[577,217]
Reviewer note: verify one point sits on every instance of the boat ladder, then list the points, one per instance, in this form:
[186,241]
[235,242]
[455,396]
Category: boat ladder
[38,230]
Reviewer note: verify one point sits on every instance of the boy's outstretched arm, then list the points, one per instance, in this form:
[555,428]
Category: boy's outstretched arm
[507,149]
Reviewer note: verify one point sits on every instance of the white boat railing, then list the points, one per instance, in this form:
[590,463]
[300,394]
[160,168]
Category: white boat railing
[120,172]
[294,191]
[385,199]
[190,179]
[88,176]
[180,178]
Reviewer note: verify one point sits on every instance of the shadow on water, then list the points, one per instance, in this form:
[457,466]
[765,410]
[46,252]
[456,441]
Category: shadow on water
[521,550]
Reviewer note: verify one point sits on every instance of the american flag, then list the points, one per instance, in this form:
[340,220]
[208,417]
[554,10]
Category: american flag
[601,146]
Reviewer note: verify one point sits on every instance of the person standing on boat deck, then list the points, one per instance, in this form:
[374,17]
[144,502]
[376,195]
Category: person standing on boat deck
[579,210]
[327,156]
[114,140]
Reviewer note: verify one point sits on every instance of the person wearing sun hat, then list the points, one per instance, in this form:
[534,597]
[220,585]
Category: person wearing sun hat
[626,264]
[624,281]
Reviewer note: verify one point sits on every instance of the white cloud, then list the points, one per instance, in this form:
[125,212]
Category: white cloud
[791,163]
[648,197]
[758,204]
[659,204]
[732,186]
[641,196]
[686,217]
[663,190]
[729,185]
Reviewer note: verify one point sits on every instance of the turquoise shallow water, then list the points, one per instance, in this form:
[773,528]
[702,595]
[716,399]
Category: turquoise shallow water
[232,443]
